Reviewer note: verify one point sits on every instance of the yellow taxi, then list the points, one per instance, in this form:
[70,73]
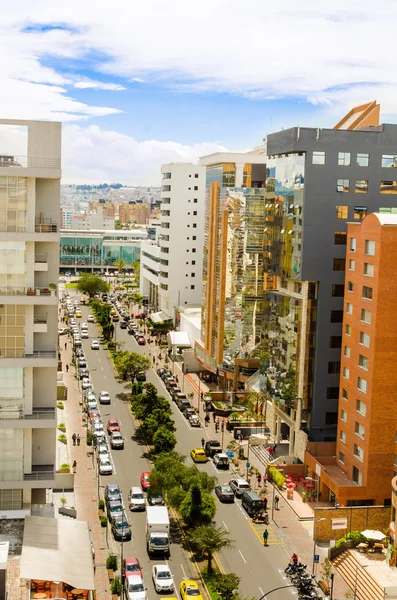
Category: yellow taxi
[113,312]
[198,455]
[78,314]
[190,589]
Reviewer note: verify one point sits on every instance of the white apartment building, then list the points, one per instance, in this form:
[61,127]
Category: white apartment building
[29,263]
[171,271]
[95,220]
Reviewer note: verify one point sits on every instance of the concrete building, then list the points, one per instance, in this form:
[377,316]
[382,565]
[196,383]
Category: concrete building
[134,213]
[66,218]
[95,220]
[366,446]
[108,209]
[97,250]
[233,266]
[29,259]
[318,180]
[171,272]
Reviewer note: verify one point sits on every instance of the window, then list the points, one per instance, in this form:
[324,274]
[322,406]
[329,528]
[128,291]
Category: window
[331,418]
[343,415]
[338,290]
[369,247]
[336,316]
[193,262]
[361,408]
[334,367]
[346,373]
[346,351]
[195,188]
[342,212]
[194,212]
[359,430]
[345,394]
[367,292]
[362,385]
[193,250]
[388,187]
[359,213]
[166,175]
[352,265]
[357,476]
[194,237]
[362,160]
[339,264]
[196,175]
[342,185]
[194,225]
[353,244]
[193,274]
[369,269]
[348,329]
[366,316]
[344,159]
[361,186]
[318,158]
[350,286]
[340,238]
[194,200]
[389,161]
[165,188]
[363,362]
[192,287]
[358,452]
[341,458]
[365,339]
[342,436]
[349,308]
[335,341]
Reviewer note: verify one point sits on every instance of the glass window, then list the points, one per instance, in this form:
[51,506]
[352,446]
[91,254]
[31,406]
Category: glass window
[342,436]
[389,161]
[361,186]
[334,367]
[343,415]
[359,213]
[357,476]
[341,458]
[345,394]
[338,290]
[344,159]
[336,316]
[358,452]
[346,351]
[363,362]
[366,316]
[318,158]
[362,160]
[165,188]
[365,339]
[346,372]
[367,292]
[361,407]
[362,385]
[349,308]
[339,264]
[352,265]
[342,212]
[369,269]
[335,341]
[348,329]
[388,187]
[353,244]
[342,185]
[350,286]
[369,248]
[340,238]
[166,175]
[359,430]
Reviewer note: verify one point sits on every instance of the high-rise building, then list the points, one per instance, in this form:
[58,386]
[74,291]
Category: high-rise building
[233,266]
[29,259]
[366,449]
[108,209]
[171,272]
[137,212]
[317,181]
[96,220]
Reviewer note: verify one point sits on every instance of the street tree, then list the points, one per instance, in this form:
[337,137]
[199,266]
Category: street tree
[197,507]
[120,264]
[129,364]
[208,539]
[163,440]
[91,284]
[152,423]
[225,585]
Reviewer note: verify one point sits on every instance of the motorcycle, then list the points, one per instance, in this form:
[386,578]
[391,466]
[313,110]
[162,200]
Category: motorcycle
[261,518]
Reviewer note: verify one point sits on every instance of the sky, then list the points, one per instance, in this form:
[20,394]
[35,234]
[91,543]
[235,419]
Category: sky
[139,84]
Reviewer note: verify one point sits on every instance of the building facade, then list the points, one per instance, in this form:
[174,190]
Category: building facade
[134,213]
[95,220]
[29,259]
[97,250]
[175,269]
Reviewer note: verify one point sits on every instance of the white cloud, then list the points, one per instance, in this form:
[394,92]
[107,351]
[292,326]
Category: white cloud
[98,85]
[92,155]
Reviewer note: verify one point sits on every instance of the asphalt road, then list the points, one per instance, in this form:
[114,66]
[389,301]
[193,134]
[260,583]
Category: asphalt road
[260,568]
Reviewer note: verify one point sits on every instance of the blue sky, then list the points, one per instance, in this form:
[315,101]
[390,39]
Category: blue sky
[140,84]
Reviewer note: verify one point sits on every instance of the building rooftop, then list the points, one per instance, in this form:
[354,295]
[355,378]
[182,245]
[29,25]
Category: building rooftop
[386,218]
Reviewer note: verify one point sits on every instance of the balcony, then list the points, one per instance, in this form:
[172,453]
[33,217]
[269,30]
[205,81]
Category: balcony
[29,162]
[41,262]
[17,357]
[27,295]
[41,476]
[14,417]
[40,324]
[44,225]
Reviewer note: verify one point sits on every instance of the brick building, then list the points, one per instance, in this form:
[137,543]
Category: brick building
[137,212]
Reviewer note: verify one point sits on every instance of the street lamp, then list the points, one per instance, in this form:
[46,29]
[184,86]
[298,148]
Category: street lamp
[283,587]
[315,536]
[355,579]
[248,456]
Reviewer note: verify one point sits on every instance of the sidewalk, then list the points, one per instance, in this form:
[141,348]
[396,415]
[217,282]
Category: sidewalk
[85,481]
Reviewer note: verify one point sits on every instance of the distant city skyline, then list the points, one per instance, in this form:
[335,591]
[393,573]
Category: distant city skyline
[140,86]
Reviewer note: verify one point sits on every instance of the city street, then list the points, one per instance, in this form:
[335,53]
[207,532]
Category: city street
[260,568]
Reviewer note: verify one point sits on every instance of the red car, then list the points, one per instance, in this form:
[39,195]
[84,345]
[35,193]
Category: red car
[113,425]
[145,483]
[95,414]
[141,341]
[140,316]
[131,566]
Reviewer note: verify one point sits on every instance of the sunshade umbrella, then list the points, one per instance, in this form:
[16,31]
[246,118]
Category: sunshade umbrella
[373,534]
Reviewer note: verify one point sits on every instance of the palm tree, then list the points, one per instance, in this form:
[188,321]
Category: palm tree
[120,264]
[208,539]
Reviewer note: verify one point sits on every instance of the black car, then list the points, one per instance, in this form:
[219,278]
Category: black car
[224,493]
[141,376]
[188,412]
[212,447]
[121,528]
[112,492]
[123,324]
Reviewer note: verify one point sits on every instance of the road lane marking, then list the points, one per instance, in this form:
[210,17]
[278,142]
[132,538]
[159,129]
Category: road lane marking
[225,526]
[261,591]
[242,512]
[242,556]
[183,571]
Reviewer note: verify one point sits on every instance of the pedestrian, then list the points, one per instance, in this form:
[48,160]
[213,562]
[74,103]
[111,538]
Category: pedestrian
[66,345]
[74,466]
[74,437]
[265,478]
[216,426]
[265,536]
[207,419]
[265,504]
[214,416]
[276,501]
[259,479]
[240,437]
[222,425]
[67,368]
[78,439]
[202,442]
[154,360]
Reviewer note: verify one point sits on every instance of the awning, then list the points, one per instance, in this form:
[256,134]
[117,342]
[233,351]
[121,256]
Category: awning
[178,338]
[57,550]
[159,317]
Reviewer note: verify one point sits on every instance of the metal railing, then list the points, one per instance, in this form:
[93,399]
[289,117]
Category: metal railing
[42,413]
[11,412]
[20,160]
[40,319]
[40,473]
[41,354]
[18,412]
[25,291]
[46,227]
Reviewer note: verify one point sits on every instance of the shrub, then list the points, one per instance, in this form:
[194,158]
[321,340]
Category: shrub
[277,477]
[104,521]
[115,586]
[101,505]
[90,437]
[62,427]
[64,468]
[111,562]
[63,501]
[60,405]
[62,438]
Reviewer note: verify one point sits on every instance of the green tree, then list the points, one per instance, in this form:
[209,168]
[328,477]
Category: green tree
[164,440]
[118,224]
[91,284]
[197,507]
[152,423]
[208,539]
[136,267]
[225,585]
[120,264]
[129,364]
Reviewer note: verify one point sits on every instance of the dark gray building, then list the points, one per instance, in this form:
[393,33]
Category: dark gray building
[317,181]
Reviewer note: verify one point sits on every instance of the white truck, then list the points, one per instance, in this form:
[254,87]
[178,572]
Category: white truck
[157,530]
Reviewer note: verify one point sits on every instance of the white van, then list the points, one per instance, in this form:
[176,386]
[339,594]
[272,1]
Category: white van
[136,499]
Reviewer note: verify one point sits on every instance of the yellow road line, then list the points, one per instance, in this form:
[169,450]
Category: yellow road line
[270,542]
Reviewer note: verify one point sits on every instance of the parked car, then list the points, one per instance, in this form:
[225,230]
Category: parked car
[188,412]
[86,383]
[123,324]
[239,486]
[112,492]
[113,425]
[135,588]
[104,398]
[115,509]
[131,566]
[115,318]
[94,345]
[178,396]
[102,450]
[145,483]
[224,493]
[116,440]
[98,430]
[162,579]
[141,341]
[212,447]
[94,415]
[121,528]
[83,373]
[221,461]
[82,363]
[105,466]
[194,421]
[183,405]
